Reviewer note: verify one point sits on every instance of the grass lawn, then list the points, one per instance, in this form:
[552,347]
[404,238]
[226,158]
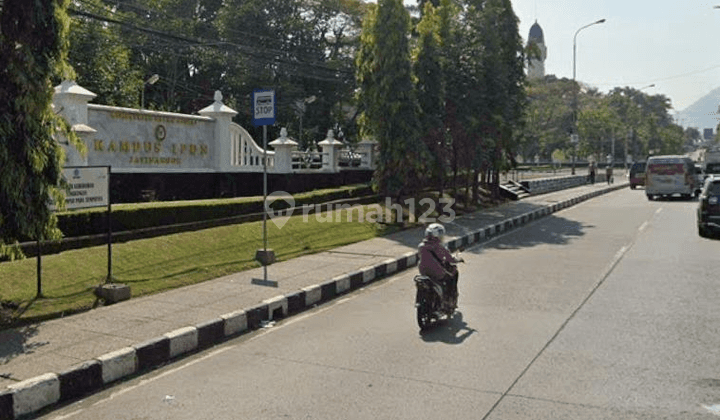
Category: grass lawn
[157,264]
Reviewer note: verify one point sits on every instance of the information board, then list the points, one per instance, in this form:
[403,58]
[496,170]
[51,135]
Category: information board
[89,187]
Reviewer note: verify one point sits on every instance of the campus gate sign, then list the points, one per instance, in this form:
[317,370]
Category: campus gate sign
[137,140]
[142,141]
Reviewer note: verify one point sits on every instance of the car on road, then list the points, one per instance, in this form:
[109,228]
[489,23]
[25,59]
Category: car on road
[708,211]
[666,176]
[637,174]
[712,168]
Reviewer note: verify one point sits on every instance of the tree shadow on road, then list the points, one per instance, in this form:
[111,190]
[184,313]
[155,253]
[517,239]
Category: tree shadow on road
[451,331]
[552,230]
[549,229]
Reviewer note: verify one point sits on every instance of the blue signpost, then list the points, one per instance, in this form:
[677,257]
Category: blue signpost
[263,109]
[263,104]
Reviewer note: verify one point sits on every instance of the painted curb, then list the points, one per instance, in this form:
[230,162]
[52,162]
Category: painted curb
[40,392]
[181,341]
[35,393]
[117,364]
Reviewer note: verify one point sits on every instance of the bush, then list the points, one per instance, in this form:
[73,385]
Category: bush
[127,217]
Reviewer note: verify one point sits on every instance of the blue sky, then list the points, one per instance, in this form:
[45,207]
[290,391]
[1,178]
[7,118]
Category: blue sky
[673,44]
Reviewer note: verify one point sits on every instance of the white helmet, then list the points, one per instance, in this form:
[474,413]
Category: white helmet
[435,229]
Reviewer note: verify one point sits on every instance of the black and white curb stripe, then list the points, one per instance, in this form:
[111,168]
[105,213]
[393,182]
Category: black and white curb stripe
[34,394]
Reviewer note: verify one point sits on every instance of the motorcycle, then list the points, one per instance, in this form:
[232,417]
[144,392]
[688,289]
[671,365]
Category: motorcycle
[432,301]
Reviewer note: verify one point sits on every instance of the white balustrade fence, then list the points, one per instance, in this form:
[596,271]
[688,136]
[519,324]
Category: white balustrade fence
[246,154]
[136,141]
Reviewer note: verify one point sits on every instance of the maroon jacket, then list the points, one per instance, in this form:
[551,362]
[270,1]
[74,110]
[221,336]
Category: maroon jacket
[433,267]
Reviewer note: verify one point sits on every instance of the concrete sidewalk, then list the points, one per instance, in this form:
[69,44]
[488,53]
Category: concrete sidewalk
[60,360]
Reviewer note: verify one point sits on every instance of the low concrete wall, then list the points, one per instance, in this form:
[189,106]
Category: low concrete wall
[546,185]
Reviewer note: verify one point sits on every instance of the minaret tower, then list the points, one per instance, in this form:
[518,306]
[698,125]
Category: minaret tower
[536,66]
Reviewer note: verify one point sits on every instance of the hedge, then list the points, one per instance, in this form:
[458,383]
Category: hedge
[127,217]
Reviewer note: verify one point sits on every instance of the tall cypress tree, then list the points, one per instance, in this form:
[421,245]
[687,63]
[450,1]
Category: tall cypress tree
[387,98]
[33,53]
[430,86]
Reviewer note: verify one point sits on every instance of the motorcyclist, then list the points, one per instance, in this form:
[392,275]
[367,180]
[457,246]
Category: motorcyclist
[436,261]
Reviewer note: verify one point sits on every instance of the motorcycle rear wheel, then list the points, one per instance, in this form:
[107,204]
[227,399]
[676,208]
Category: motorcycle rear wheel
[423,316]
[424,309]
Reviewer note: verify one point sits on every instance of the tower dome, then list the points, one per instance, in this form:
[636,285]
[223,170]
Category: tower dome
[538,54]
[536,33]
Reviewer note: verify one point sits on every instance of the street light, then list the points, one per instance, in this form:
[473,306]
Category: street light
[648,86]
[574,136]
[300,109]
[151,81]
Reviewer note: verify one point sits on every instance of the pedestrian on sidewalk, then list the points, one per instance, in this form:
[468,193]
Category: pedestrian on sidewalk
[591,172]
[609,174]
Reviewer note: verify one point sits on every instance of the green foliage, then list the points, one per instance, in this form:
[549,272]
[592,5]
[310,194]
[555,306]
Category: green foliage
[548,117]
[596,126]
[33,54]
[429,66]
[486,79]
[637,122]
[673,139]
[157,264]
[387,98]
[101,58]
[298,48]
[147,215]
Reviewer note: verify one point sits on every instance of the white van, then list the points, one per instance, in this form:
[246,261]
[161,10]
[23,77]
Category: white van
[666,176]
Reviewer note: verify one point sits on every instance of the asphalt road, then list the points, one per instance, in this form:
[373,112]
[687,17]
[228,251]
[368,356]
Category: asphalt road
[606,310]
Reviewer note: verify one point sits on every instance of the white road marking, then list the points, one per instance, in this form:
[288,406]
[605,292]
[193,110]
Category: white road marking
[714,409]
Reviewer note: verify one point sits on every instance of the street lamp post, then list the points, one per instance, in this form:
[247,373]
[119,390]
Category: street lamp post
[574,137]
[151,81]
[300,106]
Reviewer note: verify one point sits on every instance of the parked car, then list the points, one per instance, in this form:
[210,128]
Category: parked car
[708,211]
[637,174]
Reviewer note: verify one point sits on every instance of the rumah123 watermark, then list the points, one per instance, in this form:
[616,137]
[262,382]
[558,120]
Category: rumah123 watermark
[429,209]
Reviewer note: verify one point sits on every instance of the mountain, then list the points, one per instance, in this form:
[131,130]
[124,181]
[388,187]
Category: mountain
[703,113]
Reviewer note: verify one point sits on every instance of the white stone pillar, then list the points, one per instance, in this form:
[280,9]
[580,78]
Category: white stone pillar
[222,143]
[284,147]
[331,152]
[367,149]
[70,101]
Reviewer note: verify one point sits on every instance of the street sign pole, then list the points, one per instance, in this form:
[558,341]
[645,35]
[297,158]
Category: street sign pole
[263,104]
[265,241]
[109,230]
[39,271]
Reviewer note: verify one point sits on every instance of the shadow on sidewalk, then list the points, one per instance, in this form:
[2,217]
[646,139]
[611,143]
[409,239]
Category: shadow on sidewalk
[14,342]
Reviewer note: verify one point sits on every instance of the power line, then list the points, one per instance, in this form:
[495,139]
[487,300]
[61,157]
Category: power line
[691,73]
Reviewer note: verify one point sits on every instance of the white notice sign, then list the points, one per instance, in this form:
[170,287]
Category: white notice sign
[89,187]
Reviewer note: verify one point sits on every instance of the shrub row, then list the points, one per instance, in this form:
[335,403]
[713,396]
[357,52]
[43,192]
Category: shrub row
[127,217]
